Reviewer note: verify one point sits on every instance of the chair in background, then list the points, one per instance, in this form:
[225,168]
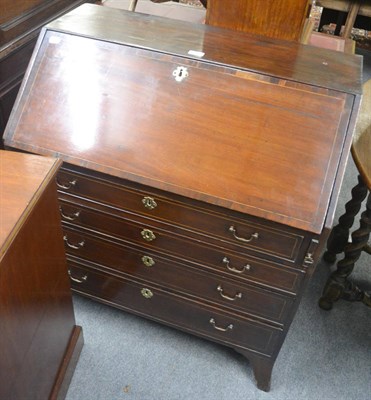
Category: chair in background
[338,286]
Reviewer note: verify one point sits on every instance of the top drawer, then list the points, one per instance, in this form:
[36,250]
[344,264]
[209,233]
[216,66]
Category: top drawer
[244,233]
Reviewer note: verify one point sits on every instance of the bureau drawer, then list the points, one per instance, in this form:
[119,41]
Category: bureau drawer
[240,230]
[180,277]
[191,316]
[183,248]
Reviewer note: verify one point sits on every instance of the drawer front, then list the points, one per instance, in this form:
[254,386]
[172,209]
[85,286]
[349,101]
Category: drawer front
[180,277]
[175,310]
[185,249]
[246,235]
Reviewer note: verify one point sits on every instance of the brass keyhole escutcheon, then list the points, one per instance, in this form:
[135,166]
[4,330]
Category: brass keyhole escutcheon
[148,261]
[147,293]
[149,203]
[148,235]
[180,73]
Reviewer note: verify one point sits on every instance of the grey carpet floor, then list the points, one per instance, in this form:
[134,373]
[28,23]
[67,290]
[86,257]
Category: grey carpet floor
[326,355]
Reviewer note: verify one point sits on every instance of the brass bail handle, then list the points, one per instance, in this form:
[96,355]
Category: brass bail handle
[233,230]
[220,289]
[219,328]
[246,267]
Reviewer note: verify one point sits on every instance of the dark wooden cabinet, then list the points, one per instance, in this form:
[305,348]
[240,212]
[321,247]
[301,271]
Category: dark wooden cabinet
[201,167]
[20,24]
[39,341]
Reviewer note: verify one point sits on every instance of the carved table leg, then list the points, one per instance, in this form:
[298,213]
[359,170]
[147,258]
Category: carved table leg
[337,285]
[262,368]
[339,235]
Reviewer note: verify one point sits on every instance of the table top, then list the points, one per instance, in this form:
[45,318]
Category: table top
[22,177]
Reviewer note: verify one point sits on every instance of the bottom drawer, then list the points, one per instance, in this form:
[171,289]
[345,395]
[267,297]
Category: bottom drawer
[175,310]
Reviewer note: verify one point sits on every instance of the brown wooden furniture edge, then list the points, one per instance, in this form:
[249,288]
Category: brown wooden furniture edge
[68,366]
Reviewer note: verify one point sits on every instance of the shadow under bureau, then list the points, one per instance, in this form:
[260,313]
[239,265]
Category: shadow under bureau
[201,167]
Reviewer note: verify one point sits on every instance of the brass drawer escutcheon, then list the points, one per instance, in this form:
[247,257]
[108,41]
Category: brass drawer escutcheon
[246,267]
[233,230]
[218,328]
[147,293]
[149,203]
[66,186]
[148,235]
[77,280]
[148,261]
[73,246]
[238,295]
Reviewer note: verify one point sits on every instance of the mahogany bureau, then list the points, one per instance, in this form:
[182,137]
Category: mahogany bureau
[39,340]
[201,167]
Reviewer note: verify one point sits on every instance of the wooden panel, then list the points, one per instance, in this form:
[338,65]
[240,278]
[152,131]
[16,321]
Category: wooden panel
[23,17]
[283,19]
[12,68]
[182,278]
[127,258]
[281,241]
[16,191]
[11,10]
[36,312]
[174,310]
[20,24]
[171,238]
[268,126]
[287,60]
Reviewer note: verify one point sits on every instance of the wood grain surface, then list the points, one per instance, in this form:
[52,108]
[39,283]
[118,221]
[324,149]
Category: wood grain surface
[230,137]
[281,19]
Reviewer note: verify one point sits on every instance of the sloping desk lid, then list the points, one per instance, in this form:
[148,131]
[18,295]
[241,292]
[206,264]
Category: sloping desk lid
[250,142]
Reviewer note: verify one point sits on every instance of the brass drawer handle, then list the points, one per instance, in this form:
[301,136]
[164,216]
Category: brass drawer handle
[309,258]
[66,186]
[218,328]
[241,239]
[81,280]
[148,261]
[70,217]
[246,267]
[147,293]
[148,235]
[238,295]
[73,246]
[149,203]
